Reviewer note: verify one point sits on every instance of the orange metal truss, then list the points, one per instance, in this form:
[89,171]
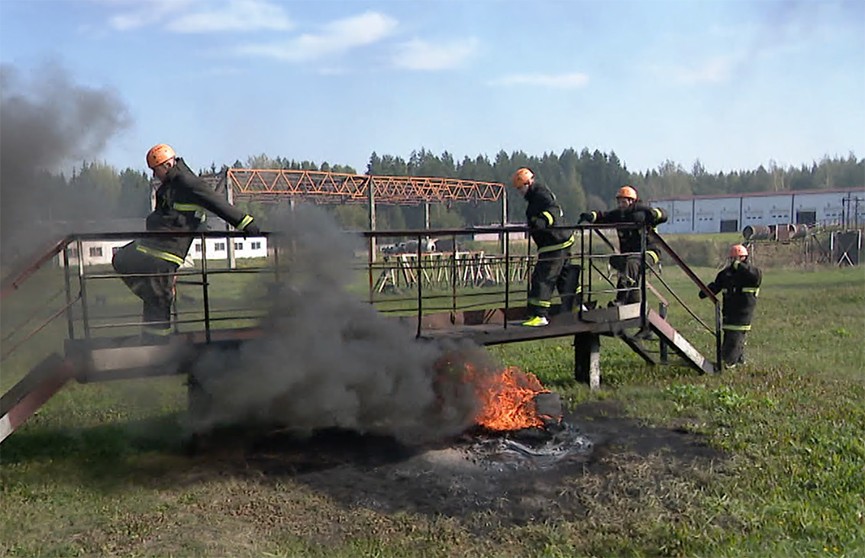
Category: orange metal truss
[332,187]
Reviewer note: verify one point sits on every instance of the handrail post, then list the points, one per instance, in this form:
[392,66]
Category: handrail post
[70,322]
[453,278]
[419,279]
[204,288]
[718,334]
[663,349]
[507,237]
[643,273]
[82,286]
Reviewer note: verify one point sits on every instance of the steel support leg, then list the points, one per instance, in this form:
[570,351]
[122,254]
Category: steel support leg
[587,359]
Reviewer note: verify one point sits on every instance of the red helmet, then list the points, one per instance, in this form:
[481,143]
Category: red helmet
[523,177]
[738,251]
[627,192]
[158,154]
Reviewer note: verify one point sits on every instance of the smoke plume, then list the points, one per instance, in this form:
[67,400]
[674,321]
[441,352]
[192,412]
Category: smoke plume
[47,122]
[328,359]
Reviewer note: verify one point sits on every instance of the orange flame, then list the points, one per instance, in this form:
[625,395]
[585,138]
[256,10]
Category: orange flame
[507,398]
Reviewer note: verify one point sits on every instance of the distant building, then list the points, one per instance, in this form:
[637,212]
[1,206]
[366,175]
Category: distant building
[734,212]
[100,252]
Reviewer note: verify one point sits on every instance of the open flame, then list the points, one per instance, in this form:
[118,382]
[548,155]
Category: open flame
[507,398]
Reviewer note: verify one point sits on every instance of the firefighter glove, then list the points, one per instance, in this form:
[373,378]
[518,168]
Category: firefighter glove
[703,294]
[537,223]
[639,217]
[586,218]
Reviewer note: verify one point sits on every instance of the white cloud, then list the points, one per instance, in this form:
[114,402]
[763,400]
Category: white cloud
[421,55]
[714,70]
[573,80]
[335,38]
[190,16]
[237,15]
[143,14]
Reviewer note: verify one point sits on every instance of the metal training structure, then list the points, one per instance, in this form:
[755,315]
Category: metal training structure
[99,318]
[332,187]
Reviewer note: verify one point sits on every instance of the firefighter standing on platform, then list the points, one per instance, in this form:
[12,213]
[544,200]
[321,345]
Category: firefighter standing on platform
[740,282]
[553,269]
[630,209]
[148,265]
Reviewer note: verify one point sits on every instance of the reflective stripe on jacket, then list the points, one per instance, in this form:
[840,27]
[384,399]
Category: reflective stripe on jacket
[542,204]
[181,201]
[740,285]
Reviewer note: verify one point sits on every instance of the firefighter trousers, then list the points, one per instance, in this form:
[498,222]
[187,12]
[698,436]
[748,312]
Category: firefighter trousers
[733,347]
[152,280]
[629,268]
[553,271]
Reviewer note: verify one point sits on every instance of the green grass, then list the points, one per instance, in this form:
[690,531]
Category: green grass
[99,471]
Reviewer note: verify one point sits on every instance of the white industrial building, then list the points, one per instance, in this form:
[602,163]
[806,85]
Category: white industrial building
[734,212]
[100,252]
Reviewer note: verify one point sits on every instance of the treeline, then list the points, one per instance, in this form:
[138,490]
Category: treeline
[581,180]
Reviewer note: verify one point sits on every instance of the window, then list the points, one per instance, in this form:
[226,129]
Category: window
[219,247]
[96,251]
[729,225]
[806,217]
[256,246]
[238,245]
[73,252]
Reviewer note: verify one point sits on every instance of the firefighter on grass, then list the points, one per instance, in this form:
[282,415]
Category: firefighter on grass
[553,269]
[148,265]
[628,264]
[740,282]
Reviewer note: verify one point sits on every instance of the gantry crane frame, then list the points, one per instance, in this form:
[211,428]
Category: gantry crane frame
[334,187]
[274,185]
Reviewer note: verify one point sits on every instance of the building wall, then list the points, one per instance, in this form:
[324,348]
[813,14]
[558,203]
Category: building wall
[712,214]
[101,252]
[217,248]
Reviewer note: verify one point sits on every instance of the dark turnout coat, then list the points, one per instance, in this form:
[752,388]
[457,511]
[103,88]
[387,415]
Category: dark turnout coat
[542,212]
[180,204]
[740,284]
[637,213]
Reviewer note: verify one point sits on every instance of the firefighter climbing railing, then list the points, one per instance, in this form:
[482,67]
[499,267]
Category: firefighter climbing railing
[65,286]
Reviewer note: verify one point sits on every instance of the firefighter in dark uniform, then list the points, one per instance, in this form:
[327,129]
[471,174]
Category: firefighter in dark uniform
[630,209]
[740,282]
[553,268]
[148,265]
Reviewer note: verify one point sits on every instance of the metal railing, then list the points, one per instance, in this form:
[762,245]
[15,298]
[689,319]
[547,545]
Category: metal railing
[413,283]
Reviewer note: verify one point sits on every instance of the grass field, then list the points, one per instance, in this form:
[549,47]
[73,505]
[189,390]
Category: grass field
[100,470]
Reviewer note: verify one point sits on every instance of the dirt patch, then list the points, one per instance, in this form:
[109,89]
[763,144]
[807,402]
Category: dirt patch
[614,460]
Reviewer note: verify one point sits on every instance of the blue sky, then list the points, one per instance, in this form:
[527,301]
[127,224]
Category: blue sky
[734,83]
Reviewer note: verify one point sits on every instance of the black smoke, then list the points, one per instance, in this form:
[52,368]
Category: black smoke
[48,123]
[328,359]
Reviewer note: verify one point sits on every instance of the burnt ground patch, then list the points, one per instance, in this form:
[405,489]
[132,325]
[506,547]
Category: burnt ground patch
[615,465]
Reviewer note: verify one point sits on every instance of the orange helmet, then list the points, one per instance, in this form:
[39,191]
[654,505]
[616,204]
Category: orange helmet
[158,154]
[737,251]
[627,192]
[523,177]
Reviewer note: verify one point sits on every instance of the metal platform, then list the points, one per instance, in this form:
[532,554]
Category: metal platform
[497,330]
